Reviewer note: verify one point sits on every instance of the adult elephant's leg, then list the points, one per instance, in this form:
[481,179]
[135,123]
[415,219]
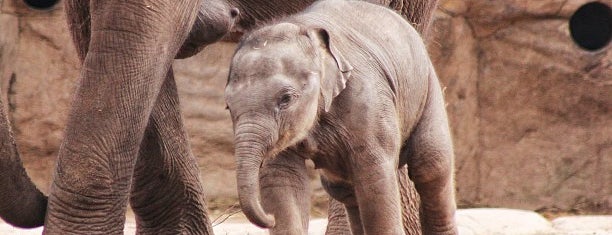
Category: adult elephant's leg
[417,12]
[79,23]
[338,223]
[285,193]
[410,203]
[167,196]
[132,46]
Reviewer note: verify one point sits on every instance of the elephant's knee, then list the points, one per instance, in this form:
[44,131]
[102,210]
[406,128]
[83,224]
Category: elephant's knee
[431,166]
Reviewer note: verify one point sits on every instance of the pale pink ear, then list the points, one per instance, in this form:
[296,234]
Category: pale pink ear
[334,78]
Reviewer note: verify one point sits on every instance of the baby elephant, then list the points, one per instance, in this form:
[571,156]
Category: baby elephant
[349,85]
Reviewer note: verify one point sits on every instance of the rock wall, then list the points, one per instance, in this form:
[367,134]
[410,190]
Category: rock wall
[38,83]
[530,110]
[8,38]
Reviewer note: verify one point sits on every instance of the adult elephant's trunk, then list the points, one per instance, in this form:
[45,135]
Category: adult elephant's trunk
[250,148]
[21,203]
[215,20]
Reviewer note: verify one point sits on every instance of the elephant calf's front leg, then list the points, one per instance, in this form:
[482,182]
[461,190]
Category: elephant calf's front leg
[378,199]
[285,193]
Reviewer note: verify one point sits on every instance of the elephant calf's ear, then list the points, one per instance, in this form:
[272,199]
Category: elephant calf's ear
[333,77]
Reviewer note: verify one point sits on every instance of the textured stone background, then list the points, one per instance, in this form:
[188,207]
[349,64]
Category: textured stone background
[530,110]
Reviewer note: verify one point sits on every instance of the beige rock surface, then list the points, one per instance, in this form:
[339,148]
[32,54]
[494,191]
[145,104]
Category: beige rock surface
[530,110]
[201,82]
[43,73]
[8,39]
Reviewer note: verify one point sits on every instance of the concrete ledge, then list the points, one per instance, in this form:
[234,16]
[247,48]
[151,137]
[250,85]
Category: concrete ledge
[481,221]
[592,225]
[317,227]
[492,221]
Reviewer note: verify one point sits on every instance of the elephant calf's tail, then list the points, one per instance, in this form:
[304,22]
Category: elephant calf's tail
[21,203]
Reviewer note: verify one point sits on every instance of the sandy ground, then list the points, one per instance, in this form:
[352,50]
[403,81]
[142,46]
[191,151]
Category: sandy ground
[477,221]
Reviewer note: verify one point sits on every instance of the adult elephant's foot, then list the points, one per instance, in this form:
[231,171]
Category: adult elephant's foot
[66,215]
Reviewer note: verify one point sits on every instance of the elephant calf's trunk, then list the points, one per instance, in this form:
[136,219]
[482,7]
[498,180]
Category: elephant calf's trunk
[249,163]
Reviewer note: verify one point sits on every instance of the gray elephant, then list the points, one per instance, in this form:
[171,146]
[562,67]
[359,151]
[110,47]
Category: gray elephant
[358,98]
[125,139]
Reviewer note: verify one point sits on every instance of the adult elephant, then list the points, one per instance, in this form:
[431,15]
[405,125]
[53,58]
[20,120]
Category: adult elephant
[125,139]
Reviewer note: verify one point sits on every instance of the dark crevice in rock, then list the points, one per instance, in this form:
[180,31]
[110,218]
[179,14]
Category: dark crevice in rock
[12,104]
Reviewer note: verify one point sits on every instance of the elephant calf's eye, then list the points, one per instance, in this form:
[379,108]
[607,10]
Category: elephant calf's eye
[285,100]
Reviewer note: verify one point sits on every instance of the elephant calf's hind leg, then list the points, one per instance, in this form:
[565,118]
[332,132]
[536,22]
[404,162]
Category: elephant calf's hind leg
[430,162]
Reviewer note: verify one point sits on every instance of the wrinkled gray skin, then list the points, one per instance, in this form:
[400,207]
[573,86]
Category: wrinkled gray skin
[125,139]
[358,98]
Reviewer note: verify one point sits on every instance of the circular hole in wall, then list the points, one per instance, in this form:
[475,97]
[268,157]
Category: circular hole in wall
[41,4]
[591,26]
